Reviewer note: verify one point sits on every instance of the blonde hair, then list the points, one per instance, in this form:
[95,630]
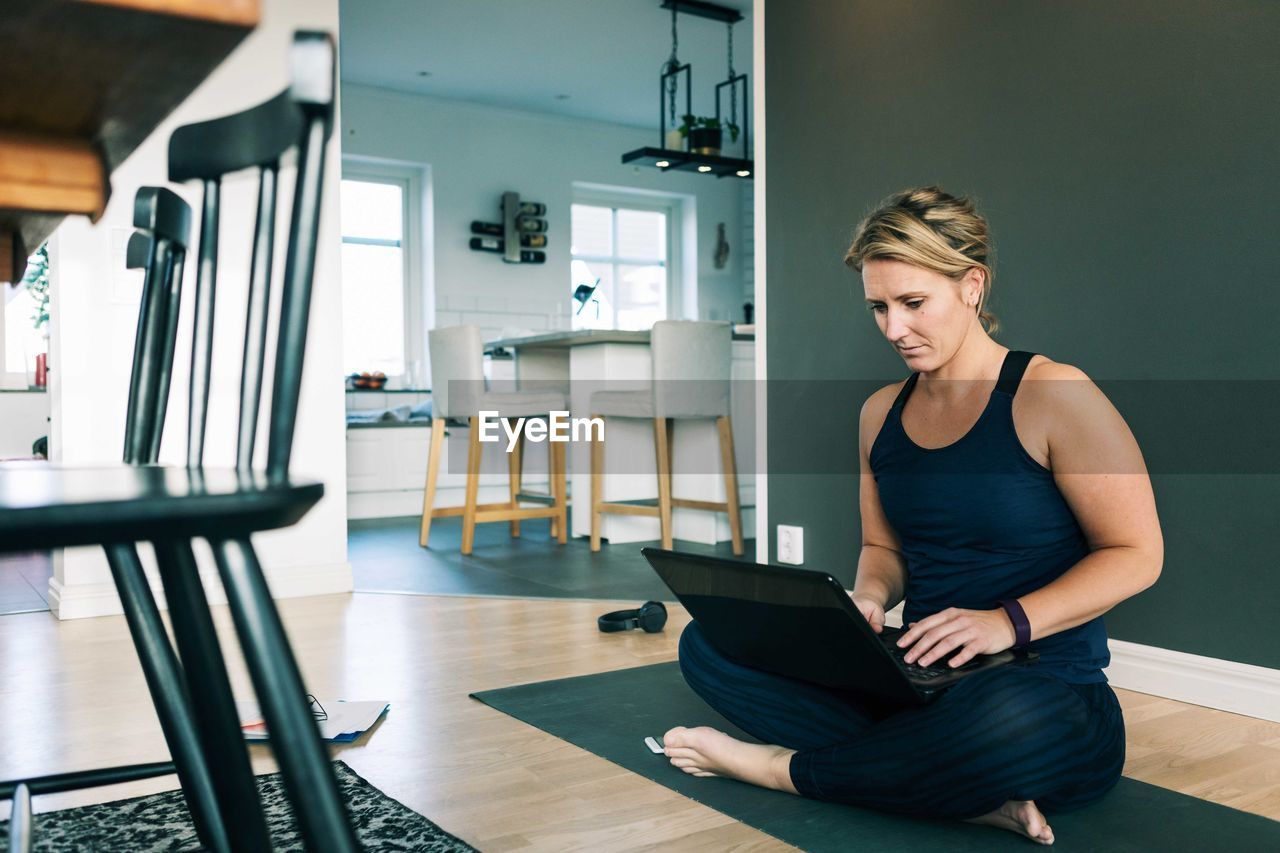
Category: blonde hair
[930,229]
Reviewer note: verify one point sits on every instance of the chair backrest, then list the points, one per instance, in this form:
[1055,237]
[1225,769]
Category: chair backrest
[457,356]
[691,368]
[299,118]
[159,248]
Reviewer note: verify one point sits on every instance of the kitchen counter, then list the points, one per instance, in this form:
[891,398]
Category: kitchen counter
[582,337]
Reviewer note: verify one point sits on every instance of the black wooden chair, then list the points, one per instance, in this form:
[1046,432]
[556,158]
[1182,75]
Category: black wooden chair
[43,507]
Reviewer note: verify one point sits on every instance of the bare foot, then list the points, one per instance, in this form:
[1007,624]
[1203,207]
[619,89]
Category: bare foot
[1022,817]
[706,752]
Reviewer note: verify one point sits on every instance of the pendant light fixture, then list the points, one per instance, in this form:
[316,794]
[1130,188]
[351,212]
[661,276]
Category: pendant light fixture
[699,144]
[669,82]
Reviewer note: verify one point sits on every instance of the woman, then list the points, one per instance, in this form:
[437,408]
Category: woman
[1005,500]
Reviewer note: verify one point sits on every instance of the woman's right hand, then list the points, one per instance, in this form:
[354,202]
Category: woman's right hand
[871,609]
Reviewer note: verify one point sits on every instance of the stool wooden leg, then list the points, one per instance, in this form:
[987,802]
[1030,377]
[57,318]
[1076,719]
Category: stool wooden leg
[515,464]
[597,488]
[671,442]
[560,488]
[662,444]
[730,467]
[433,473]
[473,487]
[551,482]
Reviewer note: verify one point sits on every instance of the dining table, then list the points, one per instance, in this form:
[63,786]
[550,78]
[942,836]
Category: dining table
[85,82]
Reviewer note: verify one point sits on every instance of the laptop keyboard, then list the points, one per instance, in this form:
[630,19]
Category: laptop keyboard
[914,670]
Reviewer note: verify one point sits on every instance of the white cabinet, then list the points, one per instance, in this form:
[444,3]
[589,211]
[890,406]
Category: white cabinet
[387,470]
[24,417]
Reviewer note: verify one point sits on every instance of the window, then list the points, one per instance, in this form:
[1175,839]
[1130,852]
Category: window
[627,250]
[375,276]
[24,315]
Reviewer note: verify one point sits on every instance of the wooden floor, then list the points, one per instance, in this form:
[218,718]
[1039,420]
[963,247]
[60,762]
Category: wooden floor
[72,696]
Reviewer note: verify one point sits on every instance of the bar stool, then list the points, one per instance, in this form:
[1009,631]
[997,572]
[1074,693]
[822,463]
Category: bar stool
[691,363]
[458,391]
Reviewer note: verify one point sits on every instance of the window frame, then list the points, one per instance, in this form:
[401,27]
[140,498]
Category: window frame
[616,199]
[410,180]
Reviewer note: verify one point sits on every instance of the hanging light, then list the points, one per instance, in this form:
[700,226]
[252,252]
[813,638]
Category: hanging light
[675,149]
[733,80]
[669,75]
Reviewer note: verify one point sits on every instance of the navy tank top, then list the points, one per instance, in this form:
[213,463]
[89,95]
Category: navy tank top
[981,521]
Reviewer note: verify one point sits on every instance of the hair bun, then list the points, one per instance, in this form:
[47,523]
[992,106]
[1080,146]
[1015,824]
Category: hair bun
[928,227]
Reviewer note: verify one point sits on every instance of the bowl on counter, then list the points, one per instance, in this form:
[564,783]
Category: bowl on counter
[368,381]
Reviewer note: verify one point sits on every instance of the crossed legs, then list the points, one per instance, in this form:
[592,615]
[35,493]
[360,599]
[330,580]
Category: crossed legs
[997,747]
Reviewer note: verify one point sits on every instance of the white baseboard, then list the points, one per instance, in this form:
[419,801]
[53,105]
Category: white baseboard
[1240,688]
[389,504]
[84,601]
[87,600]
[1225,685]
[396,503]
[707,528]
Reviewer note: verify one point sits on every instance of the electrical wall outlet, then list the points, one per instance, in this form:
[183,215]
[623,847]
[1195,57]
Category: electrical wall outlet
[790,544]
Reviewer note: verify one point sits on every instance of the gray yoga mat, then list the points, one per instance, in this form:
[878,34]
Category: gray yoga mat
[610,714]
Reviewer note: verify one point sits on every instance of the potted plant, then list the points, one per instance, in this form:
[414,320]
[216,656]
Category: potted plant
[705,133]
[36,280]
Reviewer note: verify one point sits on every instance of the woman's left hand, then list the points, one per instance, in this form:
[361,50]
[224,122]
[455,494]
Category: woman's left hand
[973,632]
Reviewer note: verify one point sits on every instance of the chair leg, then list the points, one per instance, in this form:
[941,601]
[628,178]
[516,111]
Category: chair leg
[295,739]
[560,488]
[168,689]
[729,464]
[662,444]
[212,704]
[20,819]
[515,464]
[597,486]
[433,474]
[473,487]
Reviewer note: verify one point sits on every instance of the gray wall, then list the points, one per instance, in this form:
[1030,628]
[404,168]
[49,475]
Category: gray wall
[1126,156]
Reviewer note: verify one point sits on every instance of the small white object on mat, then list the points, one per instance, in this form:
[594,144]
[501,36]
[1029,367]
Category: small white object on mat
[654,746]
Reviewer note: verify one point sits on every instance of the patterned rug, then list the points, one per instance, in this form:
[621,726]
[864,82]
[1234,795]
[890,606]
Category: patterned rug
[161,822]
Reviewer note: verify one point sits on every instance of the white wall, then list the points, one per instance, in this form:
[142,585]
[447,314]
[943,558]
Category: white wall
[94,318]
[475,153]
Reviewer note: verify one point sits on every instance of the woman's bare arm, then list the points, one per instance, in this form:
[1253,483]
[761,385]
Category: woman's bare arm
[882,570]
[1100,471]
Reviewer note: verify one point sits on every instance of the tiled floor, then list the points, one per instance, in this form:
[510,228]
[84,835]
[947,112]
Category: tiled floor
[24,583]
[385,557]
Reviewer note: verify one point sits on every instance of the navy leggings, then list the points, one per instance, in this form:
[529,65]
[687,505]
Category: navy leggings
[1009,733]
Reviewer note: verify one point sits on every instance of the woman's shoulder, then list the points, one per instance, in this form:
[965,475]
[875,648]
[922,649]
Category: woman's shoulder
[878,404]
[1050,385]
[1055,397]
[874,410]
[1080,428]
[1042,367]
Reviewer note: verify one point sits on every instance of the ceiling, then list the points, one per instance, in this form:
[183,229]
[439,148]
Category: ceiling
[604,55]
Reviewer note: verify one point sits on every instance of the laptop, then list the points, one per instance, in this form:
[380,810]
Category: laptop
[802,624]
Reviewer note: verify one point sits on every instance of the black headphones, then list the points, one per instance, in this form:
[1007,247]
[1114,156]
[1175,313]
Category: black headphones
[651,616]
